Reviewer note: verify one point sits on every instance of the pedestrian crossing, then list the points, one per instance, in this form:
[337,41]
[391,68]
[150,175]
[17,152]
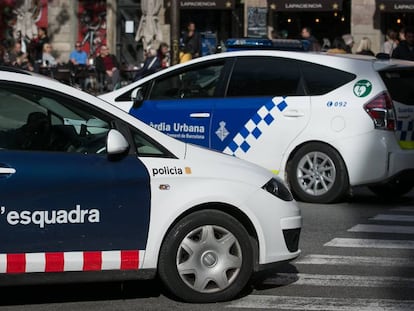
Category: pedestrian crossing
[397,221]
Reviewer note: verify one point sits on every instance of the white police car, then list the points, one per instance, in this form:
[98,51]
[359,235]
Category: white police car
[88,192]
[323,122]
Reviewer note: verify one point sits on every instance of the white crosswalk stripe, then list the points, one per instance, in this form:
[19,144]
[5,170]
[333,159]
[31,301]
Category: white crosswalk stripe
[316,259]
[321,303]
[383,229]
[386,217]
[370,243]
[403,209]
[339,280]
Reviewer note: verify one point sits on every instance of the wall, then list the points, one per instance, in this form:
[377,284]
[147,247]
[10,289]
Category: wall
[362,23]
[62,26]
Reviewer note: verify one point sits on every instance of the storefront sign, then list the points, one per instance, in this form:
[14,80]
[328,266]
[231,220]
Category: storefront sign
[207,4]
[303,5]
[395,5]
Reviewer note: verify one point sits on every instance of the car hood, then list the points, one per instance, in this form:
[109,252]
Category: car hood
[219,165]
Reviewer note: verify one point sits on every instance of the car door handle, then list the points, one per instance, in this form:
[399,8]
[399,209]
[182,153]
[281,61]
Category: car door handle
[293,113]
[200,115]
[7,170]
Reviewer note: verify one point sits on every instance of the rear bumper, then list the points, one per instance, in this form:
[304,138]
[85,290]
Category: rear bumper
[401,164]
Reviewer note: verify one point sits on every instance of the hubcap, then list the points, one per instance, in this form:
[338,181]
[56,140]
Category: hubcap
[316,173]
[209,259]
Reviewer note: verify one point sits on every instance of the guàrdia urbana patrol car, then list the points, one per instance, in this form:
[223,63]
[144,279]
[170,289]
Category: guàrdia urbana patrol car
[325,123]
[88,192]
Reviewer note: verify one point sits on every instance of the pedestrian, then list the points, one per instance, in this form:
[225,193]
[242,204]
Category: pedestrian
[36,47]
[191,43]
[78,60]
[405,49]
[306,34]
[47,57]
[364,47]
[391,43]
[155,60]
[163,54]
[349,42]
[18,58]
[78,56]
[107,67]
[338,46]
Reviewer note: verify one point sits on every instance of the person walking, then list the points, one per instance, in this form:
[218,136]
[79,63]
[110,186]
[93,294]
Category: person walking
[191,43]
[405,49]
[391,43]
[36,47]
[306,34]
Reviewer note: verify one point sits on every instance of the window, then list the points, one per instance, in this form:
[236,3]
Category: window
[147,147]
[400,83]
[32,119]
[194,82]
[265,76]
[320,79]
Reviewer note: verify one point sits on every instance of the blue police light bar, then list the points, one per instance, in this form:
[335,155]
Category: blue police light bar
[238,44]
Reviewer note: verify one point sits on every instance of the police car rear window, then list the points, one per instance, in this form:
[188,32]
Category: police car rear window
[321,79]
[399,83]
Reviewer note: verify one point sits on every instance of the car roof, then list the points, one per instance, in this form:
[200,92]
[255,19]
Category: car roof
[347,62]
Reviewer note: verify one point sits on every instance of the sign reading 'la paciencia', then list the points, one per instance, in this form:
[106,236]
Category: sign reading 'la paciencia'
[300,5]
[207,4]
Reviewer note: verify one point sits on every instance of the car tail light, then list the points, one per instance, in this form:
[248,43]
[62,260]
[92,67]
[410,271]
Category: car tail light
[381,111]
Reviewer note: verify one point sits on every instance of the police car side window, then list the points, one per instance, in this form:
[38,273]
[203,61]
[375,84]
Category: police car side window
[147,147]
[320,79]
[35,120]
[265,76]
[193,82]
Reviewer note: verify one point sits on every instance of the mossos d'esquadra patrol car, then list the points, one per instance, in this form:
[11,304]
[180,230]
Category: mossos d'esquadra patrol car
[88,192]
[323,122]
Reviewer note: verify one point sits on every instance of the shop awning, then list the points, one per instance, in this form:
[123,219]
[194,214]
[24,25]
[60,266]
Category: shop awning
[305,5]
[207,4]
[395,5]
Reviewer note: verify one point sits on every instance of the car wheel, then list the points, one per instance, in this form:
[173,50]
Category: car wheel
[206,257]
[393,189]
[317,174]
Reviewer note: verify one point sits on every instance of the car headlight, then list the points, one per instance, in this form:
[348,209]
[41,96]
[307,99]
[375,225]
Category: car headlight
[278,189]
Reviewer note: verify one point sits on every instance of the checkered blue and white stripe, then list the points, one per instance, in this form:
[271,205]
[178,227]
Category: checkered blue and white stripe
[250,133]
[405,130]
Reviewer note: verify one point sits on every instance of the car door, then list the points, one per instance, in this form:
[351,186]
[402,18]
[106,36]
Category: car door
[180,103]
[64,203]
[264,110]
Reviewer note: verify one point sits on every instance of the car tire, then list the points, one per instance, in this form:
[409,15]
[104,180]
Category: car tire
[325,182]
[393,189]
[206,257]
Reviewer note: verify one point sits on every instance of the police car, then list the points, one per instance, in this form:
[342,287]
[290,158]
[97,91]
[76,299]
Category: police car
[88,192]
[324,123]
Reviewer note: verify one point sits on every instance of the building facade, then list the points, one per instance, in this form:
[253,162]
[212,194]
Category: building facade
[128,27]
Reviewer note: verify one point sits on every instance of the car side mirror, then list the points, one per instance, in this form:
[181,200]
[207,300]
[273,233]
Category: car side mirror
[116,145]
[137,97]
